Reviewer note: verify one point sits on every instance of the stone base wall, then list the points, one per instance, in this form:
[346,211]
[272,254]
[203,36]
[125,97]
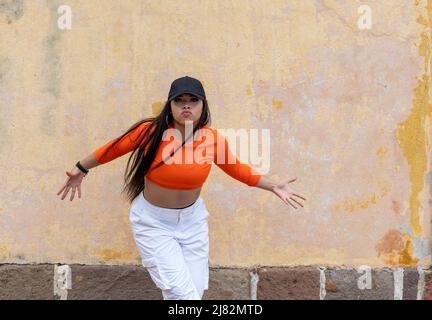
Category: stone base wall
[71,282]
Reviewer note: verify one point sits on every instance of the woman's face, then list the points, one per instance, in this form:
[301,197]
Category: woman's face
[186,107]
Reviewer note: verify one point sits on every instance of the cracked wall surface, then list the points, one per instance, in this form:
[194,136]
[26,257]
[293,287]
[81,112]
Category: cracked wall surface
[348,110]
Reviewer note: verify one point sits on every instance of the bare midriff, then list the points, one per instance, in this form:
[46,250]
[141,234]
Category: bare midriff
[169,198]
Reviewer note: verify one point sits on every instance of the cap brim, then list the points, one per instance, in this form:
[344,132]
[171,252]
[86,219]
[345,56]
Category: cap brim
[182,92]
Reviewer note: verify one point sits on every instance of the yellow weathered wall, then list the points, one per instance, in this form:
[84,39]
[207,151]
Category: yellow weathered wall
[349,113]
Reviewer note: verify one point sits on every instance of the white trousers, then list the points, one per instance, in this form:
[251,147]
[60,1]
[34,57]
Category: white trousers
[174,246]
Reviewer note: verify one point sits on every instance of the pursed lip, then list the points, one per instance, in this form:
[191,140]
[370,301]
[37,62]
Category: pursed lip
[186,112]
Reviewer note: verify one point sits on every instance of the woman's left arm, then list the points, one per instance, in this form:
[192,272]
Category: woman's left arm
[282,190]
[248,175]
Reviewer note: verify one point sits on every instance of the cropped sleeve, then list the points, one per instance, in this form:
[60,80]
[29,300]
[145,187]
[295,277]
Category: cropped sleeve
[231,165]
[127,144]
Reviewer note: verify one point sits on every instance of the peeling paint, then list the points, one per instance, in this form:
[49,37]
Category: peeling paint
[396,206]
[3,251]
[5,68]
[411,133]
[351,204]
[114,255]
[13,9]
[423,248]
[396,248]
[382,152]
[249,91]
[276,103]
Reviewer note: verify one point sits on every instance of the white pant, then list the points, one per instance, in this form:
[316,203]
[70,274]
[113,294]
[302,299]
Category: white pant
[174,246]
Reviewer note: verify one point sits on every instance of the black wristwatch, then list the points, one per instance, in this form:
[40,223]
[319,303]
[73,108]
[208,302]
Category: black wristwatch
[84,170]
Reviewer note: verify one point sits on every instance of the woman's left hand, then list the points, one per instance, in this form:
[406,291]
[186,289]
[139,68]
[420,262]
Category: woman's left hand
[288,195]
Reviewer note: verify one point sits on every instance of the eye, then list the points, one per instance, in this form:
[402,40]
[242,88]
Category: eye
[194,99]
[177,100]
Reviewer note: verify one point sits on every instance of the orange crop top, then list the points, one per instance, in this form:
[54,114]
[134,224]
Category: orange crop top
[190,166]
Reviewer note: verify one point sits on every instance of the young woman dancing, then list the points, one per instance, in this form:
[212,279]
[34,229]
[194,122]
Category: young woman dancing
[169,219]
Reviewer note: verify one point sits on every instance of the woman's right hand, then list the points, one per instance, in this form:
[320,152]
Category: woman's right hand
[75,176]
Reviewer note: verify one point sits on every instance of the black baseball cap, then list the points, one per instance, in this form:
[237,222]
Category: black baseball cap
[186,84]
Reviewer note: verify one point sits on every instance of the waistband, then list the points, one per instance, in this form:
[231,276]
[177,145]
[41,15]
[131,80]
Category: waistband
[169,212]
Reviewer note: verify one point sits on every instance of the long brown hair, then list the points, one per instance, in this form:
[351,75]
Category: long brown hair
[134,181]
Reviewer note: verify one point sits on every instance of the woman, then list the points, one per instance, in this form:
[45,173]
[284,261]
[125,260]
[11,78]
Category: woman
[168,215]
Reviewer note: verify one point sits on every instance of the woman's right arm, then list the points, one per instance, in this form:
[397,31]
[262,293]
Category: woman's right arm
[75,176]
[89,162]
[126,144]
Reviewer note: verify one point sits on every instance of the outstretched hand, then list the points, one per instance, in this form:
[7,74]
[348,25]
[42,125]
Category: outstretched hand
[73,181]
[288,195]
